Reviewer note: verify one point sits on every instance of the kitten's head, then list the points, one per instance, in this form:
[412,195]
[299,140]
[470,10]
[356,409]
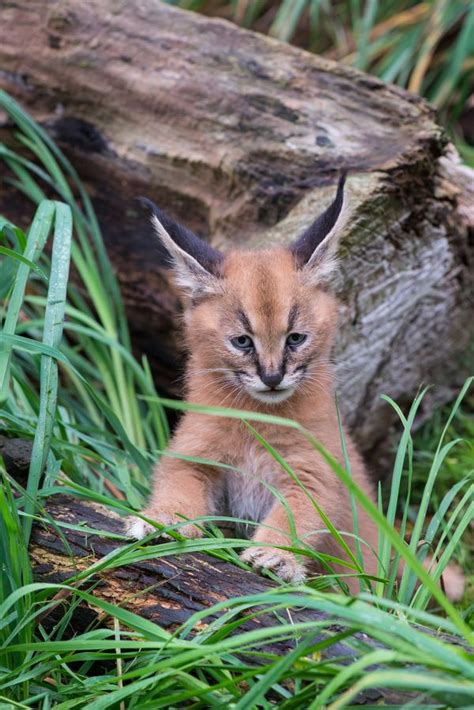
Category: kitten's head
[259,323]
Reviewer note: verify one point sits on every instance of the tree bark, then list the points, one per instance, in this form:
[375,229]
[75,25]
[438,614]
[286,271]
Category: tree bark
[242,138]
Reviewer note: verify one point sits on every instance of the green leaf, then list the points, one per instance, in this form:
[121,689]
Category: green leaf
[18,257]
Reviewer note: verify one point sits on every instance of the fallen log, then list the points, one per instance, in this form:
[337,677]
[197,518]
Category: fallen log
[242,138]
[169,590]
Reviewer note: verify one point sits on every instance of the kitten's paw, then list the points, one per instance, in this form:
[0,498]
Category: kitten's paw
[190,531]
[137,528]
[283,563]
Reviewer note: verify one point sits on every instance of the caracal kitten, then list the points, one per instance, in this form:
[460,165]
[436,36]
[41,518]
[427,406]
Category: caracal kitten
[259,327]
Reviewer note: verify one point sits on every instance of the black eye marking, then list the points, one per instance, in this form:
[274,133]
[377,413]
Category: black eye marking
[295,339]
[242,342]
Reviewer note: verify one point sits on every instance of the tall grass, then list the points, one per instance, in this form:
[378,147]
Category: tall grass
[105,384]
[86,442]
[15,574]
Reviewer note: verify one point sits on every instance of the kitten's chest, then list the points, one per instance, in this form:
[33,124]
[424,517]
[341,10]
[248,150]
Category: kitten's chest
[248,488]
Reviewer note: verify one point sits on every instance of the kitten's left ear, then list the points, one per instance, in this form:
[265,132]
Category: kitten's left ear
[194,262]
[316,248]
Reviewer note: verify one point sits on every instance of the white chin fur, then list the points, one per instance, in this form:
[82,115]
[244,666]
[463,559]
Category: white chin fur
[272,396]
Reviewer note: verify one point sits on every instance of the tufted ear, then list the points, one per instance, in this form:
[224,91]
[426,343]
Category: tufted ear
[316,248]
[195,263]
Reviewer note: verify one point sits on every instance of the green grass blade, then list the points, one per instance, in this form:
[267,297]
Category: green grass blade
[405,446]
[53,330]
[23,260]
[36,239]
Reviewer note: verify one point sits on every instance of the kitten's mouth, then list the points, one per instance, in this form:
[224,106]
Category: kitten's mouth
[272,396]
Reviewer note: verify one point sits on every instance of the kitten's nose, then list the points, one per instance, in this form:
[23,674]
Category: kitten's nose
[271,379]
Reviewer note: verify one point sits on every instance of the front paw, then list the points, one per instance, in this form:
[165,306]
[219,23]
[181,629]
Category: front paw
[137,528]
[281,562]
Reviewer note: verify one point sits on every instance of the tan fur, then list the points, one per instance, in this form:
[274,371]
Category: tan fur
[266,287]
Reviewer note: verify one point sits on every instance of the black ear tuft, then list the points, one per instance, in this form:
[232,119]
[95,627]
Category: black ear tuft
[306,244]
[207,256]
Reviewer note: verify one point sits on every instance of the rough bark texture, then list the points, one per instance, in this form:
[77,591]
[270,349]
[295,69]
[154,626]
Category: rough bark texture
[242,138]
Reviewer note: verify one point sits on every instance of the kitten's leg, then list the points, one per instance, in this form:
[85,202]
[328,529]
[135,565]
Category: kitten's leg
[275,530]
[181,490]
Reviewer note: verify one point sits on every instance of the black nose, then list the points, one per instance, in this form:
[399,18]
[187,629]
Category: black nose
[271,379]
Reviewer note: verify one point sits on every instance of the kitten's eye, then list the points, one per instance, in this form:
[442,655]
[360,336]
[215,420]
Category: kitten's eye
[296,339]
[242,342]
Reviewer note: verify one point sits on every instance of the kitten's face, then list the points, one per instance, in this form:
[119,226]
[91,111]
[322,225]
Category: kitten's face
[265,333]
[258,323]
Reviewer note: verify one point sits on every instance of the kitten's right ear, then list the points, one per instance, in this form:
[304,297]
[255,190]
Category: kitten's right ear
[195,263]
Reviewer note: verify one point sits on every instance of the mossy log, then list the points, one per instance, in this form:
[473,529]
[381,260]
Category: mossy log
[242,138]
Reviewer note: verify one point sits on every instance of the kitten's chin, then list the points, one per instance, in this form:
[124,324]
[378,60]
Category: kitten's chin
[271,396]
